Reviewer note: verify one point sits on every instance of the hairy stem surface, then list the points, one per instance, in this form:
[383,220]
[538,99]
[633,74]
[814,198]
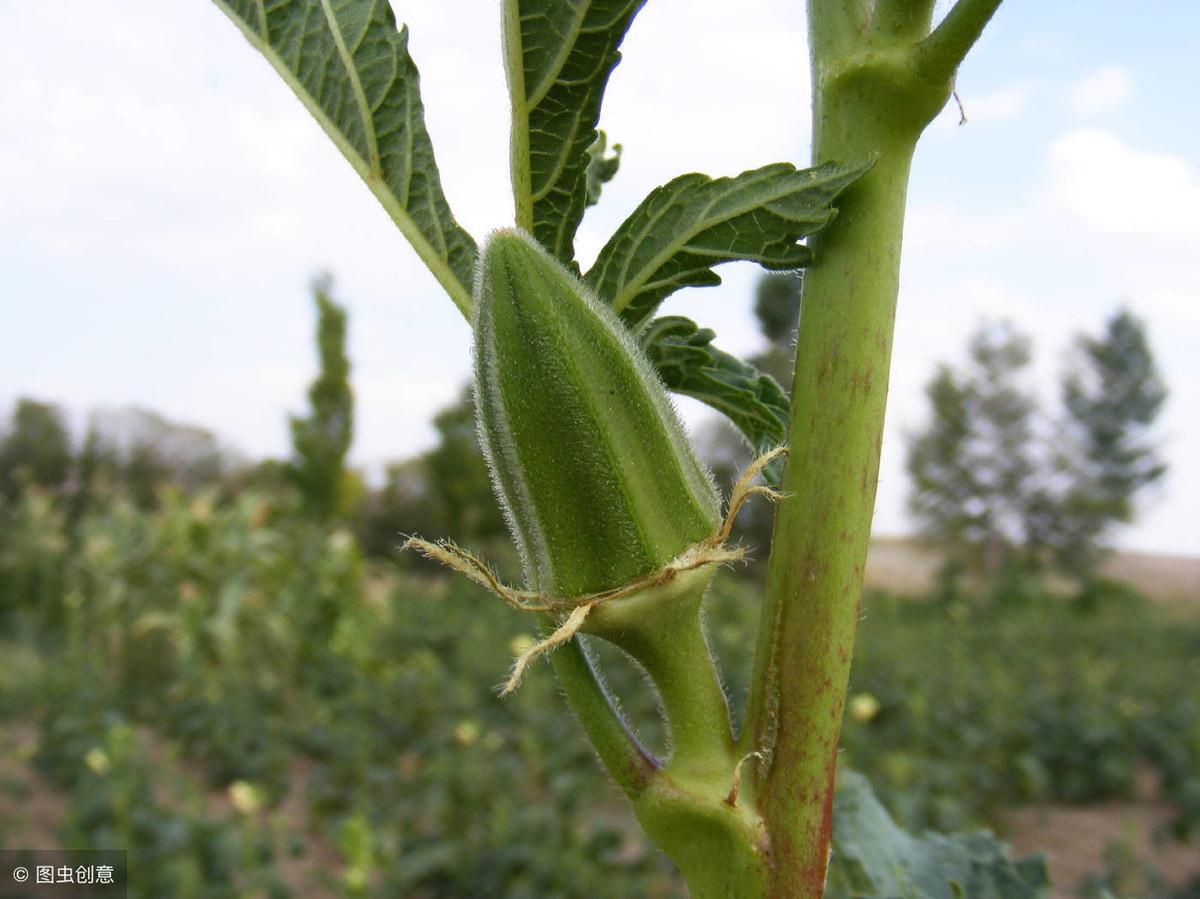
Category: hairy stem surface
[872,98]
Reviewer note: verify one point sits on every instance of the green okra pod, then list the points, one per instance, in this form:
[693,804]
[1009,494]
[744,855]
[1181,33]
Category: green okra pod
[596,475]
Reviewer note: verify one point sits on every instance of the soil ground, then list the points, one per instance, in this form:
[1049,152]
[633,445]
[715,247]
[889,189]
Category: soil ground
[907,565]
[1075,840]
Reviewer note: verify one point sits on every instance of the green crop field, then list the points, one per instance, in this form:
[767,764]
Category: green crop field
[253,709]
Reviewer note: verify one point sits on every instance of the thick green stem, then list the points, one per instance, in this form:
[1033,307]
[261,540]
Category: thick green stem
[902,18]
[872,98]
[842,25]
[821,535]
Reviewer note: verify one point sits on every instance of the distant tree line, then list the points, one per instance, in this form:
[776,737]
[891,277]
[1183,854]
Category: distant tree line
[131,449]
[321,440]
[1007,490]
[1012,490]
[136,454]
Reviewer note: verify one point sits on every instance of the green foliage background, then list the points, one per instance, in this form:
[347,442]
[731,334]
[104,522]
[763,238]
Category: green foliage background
[255,709]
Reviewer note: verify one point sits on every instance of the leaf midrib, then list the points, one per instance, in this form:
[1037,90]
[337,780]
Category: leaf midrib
[548,81]
[360,95]
[520,169]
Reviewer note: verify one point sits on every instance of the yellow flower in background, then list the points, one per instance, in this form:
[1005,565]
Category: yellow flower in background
[97,760]
[863,707]
[466,732]
[521,644]
[245,797]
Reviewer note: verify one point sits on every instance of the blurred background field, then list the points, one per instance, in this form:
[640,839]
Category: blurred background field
[222,663]
[255,708]
[228,668]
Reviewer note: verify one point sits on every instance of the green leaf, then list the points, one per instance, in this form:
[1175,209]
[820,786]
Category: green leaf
[559,54]
[874,859]
[601,168]
[349,65]
[688,363]
[687,226]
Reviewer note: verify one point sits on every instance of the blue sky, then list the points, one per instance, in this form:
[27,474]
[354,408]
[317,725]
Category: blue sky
[165,201]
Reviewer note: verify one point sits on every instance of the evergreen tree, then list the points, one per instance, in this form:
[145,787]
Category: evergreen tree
[777,307]
[971,469]
[36,450]
[458,475]
[1112,394]
[320,441]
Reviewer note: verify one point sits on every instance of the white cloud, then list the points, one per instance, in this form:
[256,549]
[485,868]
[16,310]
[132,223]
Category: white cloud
[979,108]
[683,101]
[1171,303]
[937,228]
[1099,91]
[1120,191]
[1001,105]
[395,408]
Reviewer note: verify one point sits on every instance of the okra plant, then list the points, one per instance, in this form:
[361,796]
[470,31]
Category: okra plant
[618,523]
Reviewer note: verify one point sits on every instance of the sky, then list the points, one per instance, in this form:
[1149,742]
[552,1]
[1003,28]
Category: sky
[165,202]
